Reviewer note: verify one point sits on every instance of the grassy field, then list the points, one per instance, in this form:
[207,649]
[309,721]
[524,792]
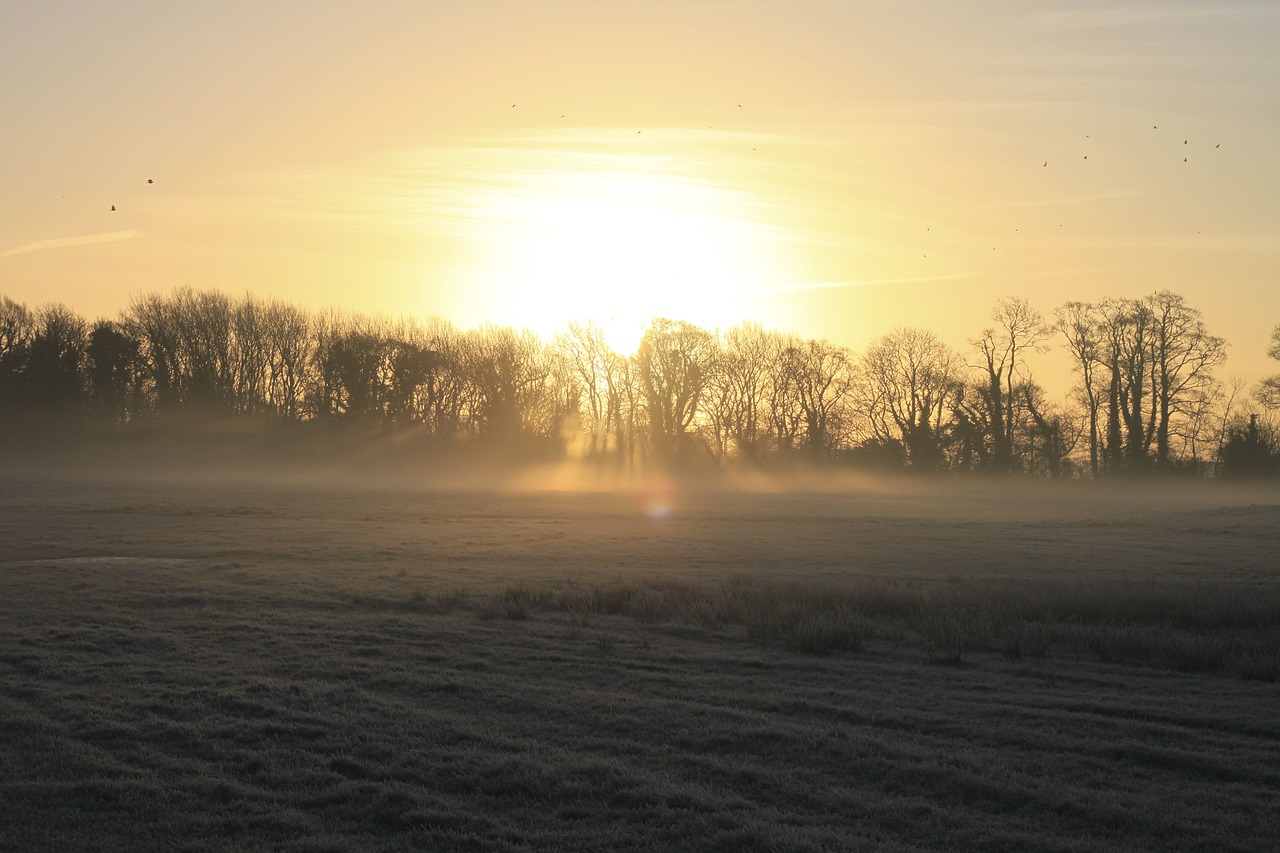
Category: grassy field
[313,667]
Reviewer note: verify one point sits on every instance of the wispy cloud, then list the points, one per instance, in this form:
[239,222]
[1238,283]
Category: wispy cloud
[1143,15]
[1090,198]
[67,242]
[870,282]
[472,187]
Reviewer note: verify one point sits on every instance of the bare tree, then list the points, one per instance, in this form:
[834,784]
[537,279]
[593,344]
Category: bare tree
[675,361]
[509,371]
[442,399]
[1183,357]
[738,409]
[54,366]
[187,348]
[1126,326]
[114,364]
[821,375]
[786,416]
[1051,435]
[148,319]
[17,327]
[909,377]
[594,363]
[204,327]
[1002,349]
[250,357]
[1268,390]
[630,438]
[1079,323]
[287,331]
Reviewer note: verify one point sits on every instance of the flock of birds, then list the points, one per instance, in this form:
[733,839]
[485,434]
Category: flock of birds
[1045,164]
[993,248]
[1153,127]
[113,207]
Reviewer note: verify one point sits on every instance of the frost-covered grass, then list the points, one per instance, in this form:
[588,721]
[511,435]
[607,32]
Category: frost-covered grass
[264,669]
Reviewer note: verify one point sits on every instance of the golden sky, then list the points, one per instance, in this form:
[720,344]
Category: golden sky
[830,168]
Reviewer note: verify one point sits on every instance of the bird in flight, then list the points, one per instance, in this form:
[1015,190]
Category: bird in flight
[150,181]
[113,207]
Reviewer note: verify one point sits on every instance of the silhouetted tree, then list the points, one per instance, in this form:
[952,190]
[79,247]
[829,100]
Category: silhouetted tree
[509,370]
[1268,391]
[821,375]
[675,361]
[17,327]
[1051,435]
[413,368]
[186,346]
[909,378]
[356,365]
[148,320]
[54,378]
[751,356]
[287,335]
[443,397]
[1250,452]
[1019,328]
[1080,324]
[876,454]
[204,332]
[114,363]
[754,396]
[786,417]
[594,363]
[250,357]
[1183,356]
[630,437]
[968,439]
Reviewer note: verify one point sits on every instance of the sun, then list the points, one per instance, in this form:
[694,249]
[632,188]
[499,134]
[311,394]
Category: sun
[620,247]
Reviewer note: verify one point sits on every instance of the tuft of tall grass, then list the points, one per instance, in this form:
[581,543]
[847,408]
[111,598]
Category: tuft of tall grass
[1259,660]
[808,629]
[452,597]
[514,602]
[942,633]
[1019,637]
[1192,627]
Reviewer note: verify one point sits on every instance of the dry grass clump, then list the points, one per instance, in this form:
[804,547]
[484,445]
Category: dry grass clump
[1186,627]
[798,618]
[514,602]
[809,630]
[1020,637]
[943,634]
[1259,660]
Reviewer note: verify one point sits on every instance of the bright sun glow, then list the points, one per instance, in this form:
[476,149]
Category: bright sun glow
[621,248]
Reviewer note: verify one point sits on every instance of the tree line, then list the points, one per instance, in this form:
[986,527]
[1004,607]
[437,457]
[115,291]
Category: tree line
[1146,397]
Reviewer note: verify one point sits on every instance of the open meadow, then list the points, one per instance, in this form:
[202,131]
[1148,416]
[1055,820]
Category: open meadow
[215,664]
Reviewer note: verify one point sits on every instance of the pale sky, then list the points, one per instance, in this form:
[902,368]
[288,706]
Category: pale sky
[834,169]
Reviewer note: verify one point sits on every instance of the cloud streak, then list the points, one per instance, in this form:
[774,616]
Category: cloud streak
[67,242]
[1107,17]
[871,282]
